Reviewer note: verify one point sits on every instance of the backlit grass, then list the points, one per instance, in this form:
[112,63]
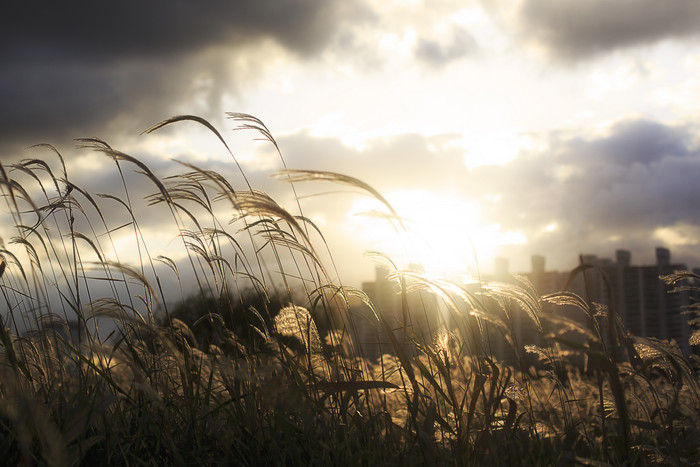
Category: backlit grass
[254,356]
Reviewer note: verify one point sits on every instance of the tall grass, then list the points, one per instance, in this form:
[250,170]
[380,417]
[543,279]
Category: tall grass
[254,356]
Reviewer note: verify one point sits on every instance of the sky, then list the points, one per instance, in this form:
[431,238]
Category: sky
[495,128]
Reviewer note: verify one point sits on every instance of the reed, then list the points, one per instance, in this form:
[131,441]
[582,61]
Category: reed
[254,356]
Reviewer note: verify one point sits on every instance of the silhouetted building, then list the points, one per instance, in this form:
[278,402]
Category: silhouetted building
[418,319]
[663,256]
[636,293]
[643,301]
[623,258]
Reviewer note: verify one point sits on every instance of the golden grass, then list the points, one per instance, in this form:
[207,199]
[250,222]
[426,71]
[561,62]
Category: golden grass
[100,364]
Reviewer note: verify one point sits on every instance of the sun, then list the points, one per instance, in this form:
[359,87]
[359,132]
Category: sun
[444,233]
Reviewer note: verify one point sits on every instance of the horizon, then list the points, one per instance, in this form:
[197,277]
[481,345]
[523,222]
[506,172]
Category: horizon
[593,259]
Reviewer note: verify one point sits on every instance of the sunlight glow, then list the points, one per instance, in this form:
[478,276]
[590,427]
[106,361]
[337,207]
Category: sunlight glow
[160,242]
[445,233]
[495,148]
[604,81]
[399,46]
[88,162]
[678,235]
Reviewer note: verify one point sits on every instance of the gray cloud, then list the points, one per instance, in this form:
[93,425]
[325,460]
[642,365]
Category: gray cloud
[632,142]
[604,193]
[399,161]
[439,53]
[572,30]
[107,31]
[74,68]
[639,177]
[51,100]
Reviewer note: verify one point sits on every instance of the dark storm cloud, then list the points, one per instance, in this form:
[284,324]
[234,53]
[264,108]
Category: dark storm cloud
[71,68]
[573,29]
[53,99]
[439,53]
[91,31]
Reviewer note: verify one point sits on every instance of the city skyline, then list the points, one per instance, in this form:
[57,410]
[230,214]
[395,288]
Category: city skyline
[636,293]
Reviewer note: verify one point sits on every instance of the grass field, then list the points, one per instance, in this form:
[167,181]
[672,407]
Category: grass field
[252,358]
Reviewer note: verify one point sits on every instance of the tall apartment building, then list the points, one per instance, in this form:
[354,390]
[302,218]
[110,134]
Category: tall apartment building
[644,301]
[524,331]
[636,293]
[418,319]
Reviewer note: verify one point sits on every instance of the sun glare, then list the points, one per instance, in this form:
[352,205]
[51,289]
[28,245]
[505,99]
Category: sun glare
[445,234]
[494,148]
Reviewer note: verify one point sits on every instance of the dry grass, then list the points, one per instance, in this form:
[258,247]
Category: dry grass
[100,364]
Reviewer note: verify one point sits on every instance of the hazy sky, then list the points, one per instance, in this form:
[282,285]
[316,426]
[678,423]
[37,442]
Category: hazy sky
[496,128]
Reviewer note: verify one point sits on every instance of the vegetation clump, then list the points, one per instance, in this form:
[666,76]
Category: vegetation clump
[256,357]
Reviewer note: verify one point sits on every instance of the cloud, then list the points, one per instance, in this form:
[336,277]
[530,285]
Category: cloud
[632,142]
[399,161]
[438,53]
[107,31]
[634,187]
[50,100]
[70,69]
[603,193]
[639,176]
[571,30]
